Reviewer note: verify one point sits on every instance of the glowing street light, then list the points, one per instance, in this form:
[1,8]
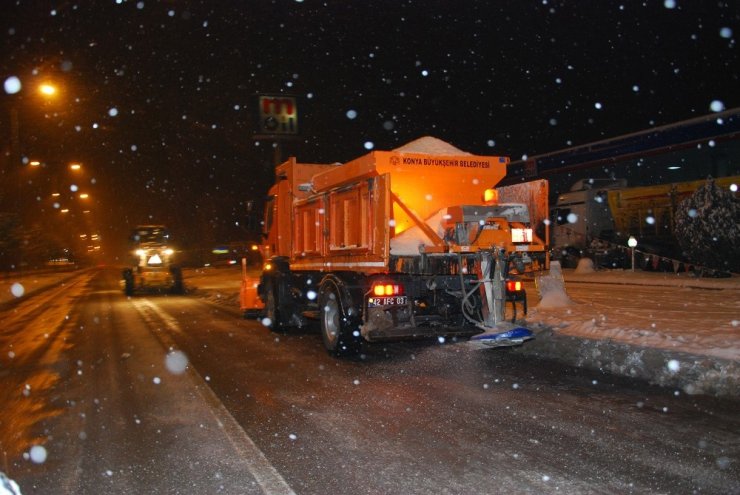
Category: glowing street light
[75,166]
[84,195]
[632,243]
[34,163]
[47,89]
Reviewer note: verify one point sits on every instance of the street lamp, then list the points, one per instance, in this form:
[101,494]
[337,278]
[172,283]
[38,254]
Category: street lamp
[632,243]
[47,89]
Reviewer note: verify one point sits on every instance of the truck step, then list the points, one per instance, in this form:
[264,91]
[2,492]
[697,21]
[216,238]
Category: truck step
[312,314]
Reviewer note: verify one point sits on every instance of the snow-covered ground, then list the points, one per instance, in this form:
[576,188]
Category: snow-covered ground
[14,285]
[672,329]
[671,311]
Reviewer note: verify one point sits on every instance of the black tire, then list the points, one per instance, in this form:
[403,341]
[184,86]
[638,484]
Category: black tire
[272,307]
[128,279]
[252,314]
[340,335]
[178,287]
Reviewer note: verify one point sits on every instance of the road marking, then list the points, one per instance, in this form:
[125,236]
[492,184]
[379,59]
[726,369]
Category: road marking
[266,475]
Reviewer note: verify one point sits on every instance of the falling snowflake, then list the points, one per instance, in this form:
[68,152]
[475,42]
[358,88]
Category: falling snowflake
[12,85]
[17,289]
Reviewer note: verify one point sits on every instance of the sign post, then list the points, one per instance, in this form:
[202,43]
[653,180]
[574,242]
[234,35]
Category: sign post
[277,118]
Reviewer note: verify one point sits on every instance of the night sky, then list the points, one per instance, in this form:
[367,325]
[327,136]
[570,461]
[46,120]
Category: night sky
[158,97]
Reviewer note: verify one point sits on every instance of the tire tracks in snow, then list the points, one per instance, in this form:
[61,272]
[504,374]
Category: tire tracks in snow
[267,476]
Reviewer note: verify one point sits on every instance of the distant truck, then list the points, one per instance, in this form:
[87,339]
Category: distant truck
[394,244]
[597,216]
[152,264]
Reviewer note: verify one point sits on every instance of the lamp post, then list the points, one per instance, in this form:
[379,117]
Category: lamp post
[632,243]
[48,91]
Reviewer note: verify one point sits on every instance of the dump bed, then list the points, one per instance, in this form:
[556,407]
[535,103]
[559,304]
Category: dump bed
[424,183]
[353,210]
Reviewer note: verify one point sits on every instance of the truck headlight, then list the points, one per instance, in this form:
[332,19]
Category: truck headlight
[168,252]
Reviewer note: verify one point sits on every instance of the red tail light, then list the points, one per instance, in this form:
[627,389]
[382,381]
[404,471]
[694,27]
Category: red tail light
[382,289]
[513,286]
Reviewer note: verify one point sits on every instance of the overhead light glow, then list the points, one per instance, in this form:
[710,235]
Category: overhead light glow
[47,89]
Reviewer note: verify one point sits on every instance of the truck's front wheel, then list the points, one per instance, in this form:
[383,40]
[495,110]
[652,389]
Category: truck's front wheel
[272,311]
[128,280]
[178,287]
[336,329]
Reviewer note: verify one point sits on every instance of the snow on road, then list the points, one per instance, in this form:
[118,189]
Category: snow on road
[667,311]
[671,329]
[698,319]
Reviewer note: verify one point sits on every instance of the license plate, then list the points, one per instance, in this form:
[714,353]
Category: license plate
[374,302]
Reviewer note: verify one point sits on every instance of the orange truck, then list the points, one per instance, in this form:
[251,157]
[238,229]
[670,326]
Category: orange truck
[393,245]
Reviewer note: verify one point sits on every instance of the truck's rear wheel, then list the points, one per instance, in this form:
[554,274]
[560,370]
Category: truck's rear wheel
[337,332]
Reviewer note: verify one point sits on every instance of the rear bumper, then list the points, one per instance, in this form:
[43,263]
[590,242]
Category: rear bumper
[154,278]
[413,320]
[414,332]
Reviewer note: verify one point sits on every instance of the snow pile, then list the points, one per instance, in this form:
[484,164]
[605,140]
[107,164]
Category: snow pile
[408,242]
[585,265]
[8,486]
[552,288]
[666,329]
[431,146]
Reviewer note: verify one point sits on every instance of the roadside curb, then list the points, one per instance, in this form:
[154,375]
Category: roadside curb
[648,280]
[693,374]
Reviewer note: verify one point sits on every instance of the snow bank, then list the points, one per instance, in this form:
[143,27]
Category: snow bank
[552,288]
[664,328]
[585,265]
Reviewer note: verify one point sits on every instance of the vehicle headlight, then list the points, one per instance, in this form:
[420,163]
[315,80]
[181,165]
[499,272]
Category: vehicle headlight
[140,252]
[168,252]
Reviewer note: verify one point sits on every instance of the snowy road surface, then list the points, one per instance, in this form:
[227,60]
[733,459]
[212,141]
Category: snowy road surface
[669,329]
[94,405]
[96,401]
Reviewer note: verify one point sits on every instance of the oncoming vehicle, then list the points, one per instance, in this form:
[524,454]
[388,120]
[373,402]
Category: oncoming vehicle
[152,266]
